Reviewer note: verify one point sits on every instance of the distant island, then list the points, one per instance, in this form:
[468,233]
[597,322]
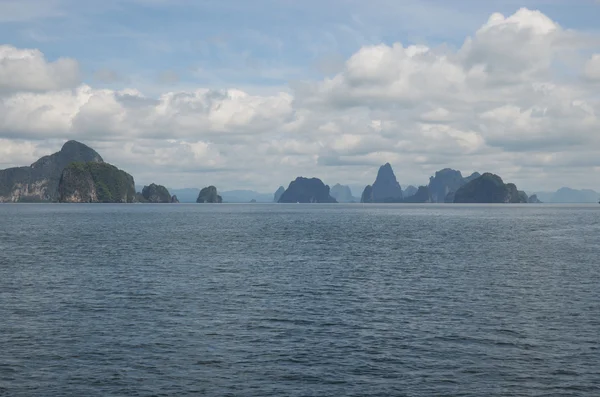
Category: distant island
[209,195]
[385,189]
[156,194]
[78,174]
[307,190]
[489,188]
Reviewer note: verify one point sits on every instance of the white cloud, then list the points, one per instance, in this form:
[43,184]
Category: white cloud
[28,70]
[502,101]
[592,68]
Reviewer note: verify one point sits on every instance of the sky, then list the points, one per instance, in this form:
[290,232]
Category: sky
[251,94]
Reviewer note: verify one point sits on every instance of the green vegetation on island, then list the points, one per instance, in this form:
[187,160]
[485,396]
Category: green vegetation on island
[154,193]
[307,190]
[209,195]
[95,183]
[39,181]
[489,188]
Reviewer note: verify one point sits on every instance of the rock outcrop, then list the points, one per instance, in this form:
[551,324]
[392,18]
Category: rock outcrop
[278,194]
[488,188]
[367,195]
[523,197]
[444,184]
[409,191]
[39,182]
[421,196]
[95,182]
[156,194]
[307,190]
[474,175]
[533,199]
[209,195]
[342,194]
[385,189]
[174,199]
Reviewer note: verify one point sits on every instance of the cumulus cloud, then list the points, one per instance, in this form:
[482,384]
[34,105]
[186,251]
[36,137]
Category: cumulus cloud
[592,68]
[28,70]
[501,101]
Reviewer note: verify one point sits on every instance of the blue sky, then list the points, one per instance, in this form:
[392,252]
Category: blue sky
[251,94]
[261,43]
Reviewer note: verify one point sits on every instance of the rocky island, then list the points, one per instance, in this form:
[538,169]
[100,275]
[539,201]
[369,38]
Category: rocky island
[533,199]
[156,194]
[39,182]
[209,195]
[444,184]
[342,194]
[489,188]
[278,194]
[410,190]
[385,189]
[307,190]
[95,182]
[421,196]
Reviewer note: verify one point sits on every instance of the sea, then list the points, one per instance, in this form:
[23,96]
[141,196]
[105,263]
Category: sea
[299,300]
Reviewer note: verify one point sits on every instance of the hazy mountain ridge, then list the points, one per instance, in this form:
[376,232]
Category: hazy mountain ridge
[569,195]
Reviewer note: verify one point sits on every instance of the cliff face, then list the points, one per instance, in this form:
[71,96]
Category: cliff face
[342,194]
[421,196]
[445,181]
[156,194]
[409,191]
[533,199]
[367,195]
[444,184]
[209,195]
[488,188]
[39,182]
[278,194]
[385,189]
[307,190]
[95,183]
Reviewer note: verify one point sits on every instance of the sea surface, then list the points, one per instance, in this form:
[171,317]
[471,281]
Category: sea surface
[299,300]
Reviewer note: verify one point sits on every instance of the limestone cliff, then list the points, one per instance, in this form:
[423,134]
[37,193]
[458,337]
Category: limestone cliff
[342,194]
[209,195]
[95,183]
[410,190]
[367,195]
[156,194]
[488,188]
[39,182]
[444,184]
[278,194]
[385,189]
[307,190]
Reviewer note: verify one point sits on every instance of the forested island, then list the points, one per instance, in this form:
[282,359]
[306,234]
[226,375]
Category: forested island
[78,174]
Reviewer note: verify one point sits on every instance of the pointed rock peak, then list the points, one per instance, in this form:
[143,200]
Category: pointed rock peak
[278,194]
[386,188]
[385,169]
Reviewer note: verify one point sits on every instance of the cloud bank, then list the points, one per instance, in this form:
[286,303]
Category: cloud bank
[519,97]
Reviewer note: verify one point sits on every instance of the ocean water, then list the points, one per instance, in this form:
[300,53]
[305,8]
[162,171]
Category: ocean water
[299,300]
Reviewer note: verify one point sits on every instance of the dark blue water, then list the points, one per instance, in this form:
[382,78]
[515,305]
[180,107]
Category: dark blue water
[295,300]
